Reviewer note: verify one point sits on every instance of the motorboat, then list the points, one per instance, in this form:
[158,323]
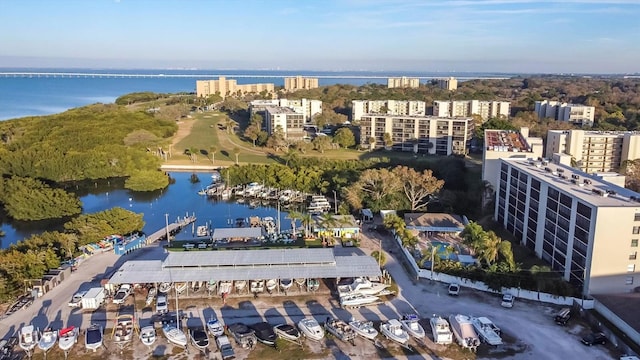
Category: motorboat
[362,286]
[196,286]
[301,282]
[174,335]
[93,337]
[285,284]
[256,286]
[165,287]
[411,323]
[67,337]
[356,299]
[364,329]
[123,331]
[487,331]
[29,337]
[264,333]
[441,331]
[244,336]
[6,348]
[462,329]
[313,284]
[202,231]
[215,327]
[199,338]
[224,287]
[181,287]
[393,330]
[148,335]
[211,285]
[48,339]
[340,330]
[310,328]
[151,295]
[240,285]
[287,331]
[271,285]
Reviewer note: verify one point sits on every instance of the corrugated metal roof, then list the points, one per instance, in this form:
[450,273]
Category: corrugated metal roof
[230,233]
[248,257]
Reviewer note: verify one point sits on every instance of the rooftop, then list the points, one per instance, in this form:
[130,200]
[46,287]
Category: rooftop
[426,117]
[279,110]
[438,222]
[585,187]
[625,306]
[505,140]
[597,133]
[236,233]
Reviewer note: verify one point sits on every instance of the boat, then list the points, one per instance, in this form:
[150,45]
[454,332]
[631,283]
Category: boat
[151,295]
[215,326]
[340,330]
[202,231]
[93,337]
[244,336]
[174,335]
[256,286]
[487,331]
[264,333]
[411,323]
[48,339]
[287,331]
[165,287]
[462,329]
[310,328]
[362,286]
[123,331]
[29,336]
[225,287]
[393,330]
[271,285]
[441,331]
[364,329]
[199,338]
[211,285]
[180,287]
[148,335]
[313,284]
[240,285]
[300,282]
[67,337]
[285,284]
[356,299]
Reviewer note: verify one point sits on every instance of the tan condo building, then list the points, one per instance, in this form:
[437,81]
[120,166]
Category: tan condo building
[485,109]
[449,83]
[300,83]
[403,82]
[389,107]
[573,113]
[586,228]
[419,134]
[224,88]
[290,122]
[594,151]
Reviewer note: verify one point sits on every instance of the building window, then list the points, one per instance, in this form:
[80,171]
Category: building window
[634,243]
[636,217]
[633,255]
[631,268]
[629,280]
[636,230]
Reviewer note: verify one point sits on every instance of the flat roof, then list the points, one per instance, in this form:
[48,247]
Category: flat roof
[257,257]
[230,233]
[505,140]
[560,177]
[624,305]
[437,222]
[279,110]
[425,117]
[289,265]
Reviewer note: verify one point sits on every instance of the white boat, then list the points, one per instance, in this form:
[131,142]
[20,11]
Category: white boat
[487,330]
[285,196]
[313,284]
[287,331]
[215,326]
[301,282]
[310,328]
[151,295]
[48,339]
[271,285]
[285,284]
[199,338]
[356,299]
[364,329]
[211,285]
[202,231]
[165,287]
[174,335]
[29,336]
[256,286]
[67,337]
[148,335]
[93,337]
[462,329]
[225,287]
[393,330]
[411,324]
[441,331]
[240,285]
[340,330]
[363,286]
[123,331]
[180,287]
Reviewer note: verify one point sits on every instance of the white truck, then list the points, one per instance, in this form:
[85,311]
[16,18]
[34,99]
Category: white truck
[122,293]
[224,345]
[93,299]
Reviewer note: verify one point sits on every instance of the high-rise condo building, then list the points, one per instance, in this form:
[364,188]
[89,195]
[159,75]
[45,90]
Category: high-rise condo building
[449,83]
[573,113]
[300,83]
[389,107]
[403,82]
[485,109]
[224,88]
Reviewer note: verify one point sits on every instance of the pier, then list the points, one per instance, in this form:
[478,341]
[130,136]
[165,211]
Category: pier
[171,228]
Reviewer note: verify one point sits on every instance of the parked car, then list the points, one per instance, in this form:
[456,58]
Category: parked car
[76,300]
[161,304]
[594,338]
[507,300]
[563,316]
[121,295]
[454,289]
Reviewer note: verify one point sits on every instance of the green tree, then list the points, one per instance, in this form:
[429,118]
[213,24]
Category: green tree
[236,152]
[213,150]
[344,137]
[381,257]
[147,180]
[417,187]
[321,143]
[30,199]
[372,142]
[388,141]
[474,236]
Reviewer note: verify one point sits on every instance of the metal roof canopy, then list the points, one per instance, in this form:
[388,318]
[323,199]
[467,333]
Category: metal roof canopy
[231,233]
[249,258]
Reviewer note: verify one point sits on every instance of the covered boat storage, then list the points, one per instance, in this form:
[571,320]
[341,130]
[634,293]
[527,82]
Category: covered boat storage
[229,265]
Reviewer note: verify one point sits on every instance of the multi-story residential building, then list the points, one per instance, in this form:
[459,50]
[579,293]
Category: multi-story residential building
[290,122]
[485,109]
[224,87]
[586,228]
[573,113]
[389,107]
[300,83]
[594,151]
[507,144]
[307,107]
[420,134]
[403,82]
[449,83]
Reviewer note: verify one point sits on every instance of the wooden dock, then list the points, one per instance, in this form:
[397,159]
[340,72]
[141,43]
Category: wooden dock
[171,228]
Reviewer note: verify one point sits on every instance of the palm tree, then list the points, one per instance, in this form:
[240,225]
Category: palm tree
[489,249]
[394,222]
[474,236]
[229,124]
[236,152]
[372,143]
[213,150]
[327,222]
[306,220]
[294,215]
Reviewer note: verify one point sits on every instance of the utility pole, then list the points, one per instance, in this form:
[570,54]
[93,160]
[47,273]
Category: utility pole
[335,203]
[166,220]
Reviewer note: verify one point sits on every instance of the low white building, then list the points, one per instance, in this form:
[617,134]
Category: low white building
[390,107]
[290,122]
[485,109]
[307,107]
[573,113]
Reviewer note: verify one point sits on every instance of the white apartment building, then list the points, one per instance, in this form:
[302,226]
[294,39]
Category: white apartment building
[403,82]
[595,151]
[308,108]
[291,122]
[449,83]
[419,134]
[586,228]
[300,83]
[573,113]
[390,107]
[485,109]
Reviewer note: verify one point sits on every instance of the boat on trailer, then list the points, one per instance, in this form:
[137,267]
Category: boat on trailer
[310,328]
[364,329]
[393,331]
[48,339]
[440,330]
[285,284]
[29,337]
[340,330]
[93,337]
[487,330]
[67,337]
[199,338]
[215,326]
[287,332]
[411,323]
[462,329]
[148,335]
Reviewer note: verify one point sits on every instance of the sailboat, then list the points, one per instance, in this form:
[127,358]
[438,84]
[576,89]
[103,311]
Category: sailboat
[48,339]
[67,337]
[172,330]
[29,336]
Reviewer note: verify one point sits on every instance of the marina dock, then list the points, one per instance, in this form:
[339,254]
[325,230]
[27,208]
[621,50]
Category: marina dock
[171,228]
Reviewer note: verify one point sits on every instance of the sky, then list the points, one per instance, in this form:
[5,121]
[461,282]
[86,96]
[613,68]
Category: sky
[546,36]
